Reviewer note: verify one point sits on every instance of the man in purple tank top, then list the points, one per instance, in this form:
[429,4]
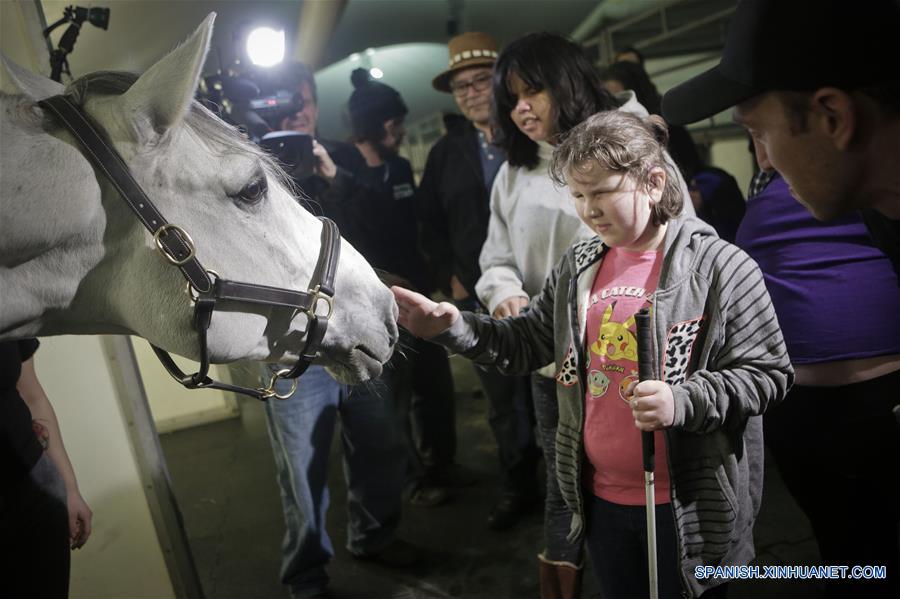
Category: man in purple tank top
[834,438]
[813,84]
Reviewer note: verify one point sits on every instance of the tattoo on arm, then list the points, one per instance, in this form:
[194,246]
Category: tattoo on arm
[42,433]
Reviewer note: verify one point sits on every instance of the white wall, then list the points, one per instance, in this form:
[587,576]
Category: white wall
[175,407]
[733,156]
[17,43]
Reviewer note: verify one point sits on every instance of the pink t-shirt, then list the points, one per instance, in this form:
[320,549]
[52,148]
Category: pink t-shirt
[611,440]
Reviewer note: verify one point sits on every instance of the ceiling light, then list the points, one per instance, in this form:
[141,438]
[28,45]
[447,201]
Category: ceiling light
[376,73]
[265,46]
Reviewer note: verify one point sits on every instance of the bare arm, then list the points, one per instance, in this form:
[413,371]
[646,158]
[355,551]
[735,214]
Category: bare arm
[47,429]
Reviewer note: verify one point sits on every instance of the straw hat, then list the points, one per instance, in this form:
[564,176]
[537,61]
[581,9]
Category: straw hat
[473,49]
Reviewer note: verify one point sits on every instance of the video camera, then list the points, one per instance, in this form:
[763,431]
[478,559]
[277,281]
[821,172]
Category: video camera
[258,101]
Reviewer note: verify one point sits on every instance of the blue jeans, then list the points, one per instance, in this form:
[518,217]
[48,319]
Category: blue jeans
[617,544]
[301,429]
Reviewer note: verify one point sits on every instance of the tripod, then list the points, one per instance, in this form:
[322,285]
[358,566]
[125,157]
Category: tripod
[75,15]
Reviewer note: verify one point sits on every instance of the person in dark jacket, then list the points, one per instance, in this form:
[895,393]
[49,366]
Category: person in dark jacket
[388,237]
[42,512]
[454,209]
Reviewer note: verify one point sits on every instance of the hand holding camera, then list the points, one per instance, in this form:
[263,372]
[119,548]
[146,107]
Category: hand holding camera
[325,166]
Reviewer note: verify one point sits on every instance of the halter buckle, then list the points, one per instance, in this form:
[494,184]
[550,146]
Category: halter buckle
[185,237]
[193,292]
[317,295]
[269,391]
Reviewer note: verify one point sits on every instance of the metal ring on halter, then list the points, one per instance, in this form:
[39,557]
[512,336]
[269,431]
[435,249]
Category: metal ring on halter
[184,237]
[270,390]
[192,291]
[317,295]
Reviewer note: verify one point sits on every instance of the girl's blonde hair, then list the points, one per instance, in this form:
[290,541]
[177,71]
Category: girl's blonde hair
[622,142]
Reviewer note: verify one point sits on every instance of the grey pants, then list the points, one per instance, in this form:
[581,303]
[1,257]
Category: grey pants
[557,516]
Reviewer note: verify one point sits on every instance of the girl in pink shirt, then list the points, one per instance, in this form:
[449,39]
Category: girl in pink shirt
[721,361]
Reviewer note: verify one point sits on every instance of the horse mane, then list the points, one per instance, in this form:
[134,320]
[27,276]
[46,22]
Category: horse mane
[209,128]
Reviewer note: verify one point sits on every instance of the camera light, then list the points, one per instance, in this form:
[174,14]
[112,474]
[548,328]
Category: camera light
[376,73]
[265,46]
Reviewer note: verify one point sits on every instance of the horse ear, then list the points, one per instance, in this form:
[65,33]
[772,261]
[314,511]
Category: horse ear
[34,85]
[163,94]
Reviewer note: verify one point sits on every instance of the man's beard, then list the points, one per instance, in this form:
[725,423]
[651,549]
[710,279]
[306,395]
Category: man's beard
[385,151]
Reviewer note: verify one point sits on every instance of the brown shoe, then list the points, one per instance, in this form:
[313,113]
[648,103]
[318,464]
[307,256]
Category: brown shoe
[559,580]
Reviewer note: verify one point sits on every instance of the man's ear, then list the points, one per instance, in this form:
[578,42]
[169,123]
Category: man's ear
[835,114]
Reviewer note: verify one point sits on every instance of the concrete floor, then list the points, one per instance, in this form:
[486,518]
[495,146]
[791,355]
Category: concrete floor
[224,480]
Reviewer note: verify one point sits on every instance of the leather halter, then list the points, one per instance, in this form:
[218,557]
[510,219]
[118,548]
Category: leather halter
[205,287]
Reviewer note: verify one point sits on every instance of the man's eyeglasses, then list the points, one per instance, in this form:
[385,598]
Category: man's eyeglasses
[479,84]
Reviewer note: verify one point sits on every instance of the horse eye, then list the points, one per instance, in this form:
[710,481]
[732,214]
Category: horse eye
[253,192]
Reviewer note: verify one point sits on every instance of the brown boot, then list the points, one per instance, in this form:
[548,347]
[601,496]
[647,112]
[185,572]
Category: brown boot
[559,580]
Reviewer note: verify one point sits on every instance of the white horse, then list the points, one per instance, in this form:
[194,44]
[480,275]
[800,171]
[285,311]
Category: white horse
[75,260]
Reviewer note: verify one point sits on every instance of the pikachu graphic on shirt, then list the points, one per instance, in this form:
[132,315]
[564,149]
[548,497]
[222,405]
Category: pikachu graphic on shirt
[615,340]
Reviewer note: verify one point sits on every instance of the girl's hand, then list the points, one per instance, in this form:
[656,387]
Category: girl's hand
[652,404]
[511,306]
[421,316]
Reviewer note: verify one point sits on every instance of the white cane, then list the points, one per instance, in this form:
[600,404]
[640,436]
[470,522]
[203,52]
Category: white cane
[645,372]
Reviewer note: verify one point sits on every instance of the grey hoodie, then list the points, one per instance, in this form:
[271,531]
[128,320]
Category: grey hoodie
[717,343]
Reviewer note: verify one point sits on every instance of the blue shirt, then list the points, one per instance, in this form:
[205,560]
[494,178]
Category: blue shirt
[491,158]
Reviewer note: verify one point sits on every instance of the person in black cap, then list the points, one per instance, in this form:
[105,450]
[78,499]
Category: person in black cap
[388,238]
[823,110]
[810,84]
[386,233]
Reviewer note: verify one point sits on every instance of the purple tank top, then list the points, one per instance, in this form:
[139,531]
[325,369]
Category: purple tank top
[836,295]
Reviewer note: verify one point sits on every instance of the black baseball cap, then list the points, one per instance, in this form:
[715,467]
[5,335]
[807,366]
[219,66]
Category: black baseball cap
[793,45]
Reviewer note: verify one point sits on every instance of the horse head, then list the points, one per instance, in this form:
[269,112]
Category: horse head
[75,259]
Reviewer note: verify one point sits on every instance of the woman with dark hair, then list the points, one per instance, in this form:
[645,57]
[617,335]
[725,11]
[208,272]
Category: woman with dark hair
[544,85]
[551,64]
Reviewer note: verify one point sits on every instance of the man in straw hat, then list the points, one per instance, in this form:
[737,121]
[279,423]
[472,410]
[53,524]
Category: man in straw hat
[454,199]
